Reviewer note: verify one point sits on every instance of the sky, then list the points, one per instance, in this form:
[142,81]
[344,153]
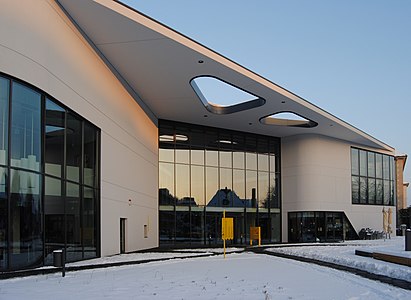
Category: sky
[351,58]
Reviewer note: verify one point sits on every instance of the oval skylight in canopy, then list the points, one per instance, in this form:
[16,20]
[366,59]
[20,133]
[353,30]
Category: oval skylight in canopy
[287,118]
[220,97]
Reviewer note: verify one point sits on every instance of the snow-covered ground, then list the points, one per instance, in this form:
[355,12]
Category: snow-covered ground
[153,255]
[135,257]
[239,276]
[344,254]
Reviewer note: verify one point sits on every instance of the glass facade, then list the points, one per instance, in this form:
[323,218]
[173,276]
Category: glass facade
[372,178]
[49,179]
[204,171]
[319,226]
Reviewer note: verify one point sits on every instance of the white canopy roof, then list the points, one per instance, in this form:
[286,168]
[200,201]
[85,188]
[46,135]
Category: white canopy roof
[156,64]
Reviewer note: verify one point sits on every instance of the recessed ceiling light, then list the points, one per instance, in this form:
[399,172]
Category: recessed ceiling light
[172,138]
[283,102]
[250,123]
[201,61]
[227,142]
[205,116]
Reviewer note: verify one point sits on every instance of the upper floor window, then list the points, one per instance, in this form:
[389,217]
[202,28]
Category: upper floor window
[372,178]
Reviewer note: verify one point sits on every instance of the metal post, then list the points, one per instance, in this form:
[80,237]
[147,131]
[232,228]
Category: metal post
[223,233]
[63,270]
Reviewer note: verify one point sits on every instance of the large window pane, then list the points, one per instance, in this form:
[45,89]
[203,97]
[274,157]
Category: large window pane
[263,190]
[211,186]
[238,160]
[167,226]
[197,185]
[166,154]
[225,195]
[225,159]
[378,165]
[387,192]
[73,155]
[166,184]
[371,164]
[392,193]
[211,157]
[183,185]
[3,219]
[363,190]
[26,123]
[355,162]
[197,226]
[363,163]
[226,178]
[355,187]
[89,223]
[273,163]
[4,119]
[3,182]
[54,217]
[251,184]
[274,194]
[183,225]
[197,157]
[371,190]
[90,156]
[263,164]
[26,215]
[386,167]
[182,154]
[239,184]
[54,142]
[73,224]
[380,195]
[275,227]
[251,161]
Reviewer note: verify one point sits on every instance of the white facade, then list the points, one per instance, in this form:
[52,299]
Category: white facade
[40,46]
[316,176]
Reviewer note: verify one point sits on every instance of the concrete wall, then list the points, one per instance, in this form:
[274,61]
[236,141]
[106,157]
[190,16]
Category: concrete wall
[39,45]
[400,162]
[316,176]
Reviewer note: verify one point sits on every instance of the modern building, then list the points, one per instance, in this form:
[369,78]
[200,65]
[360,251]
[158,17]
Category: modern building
[111,143]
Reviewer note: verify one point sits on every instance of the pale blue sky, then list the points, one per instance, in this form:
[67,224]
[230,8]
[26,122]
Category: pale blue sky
[351,58]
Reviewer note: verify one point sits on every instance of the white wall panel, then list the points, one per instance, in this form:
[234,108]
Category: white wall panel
[316,176]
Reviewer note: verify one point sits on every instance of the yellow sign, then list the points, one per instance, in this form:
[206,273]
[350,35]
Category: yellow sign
[227,229]
[255,234]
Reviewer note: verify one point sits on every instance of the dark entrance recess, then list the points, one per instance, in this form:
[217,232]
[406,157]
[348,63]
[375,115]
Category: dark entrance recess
[319,227]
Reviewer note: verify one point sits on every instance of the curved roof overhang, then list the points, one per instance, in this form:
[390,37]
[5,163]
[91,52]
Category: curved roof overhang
[156,64]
